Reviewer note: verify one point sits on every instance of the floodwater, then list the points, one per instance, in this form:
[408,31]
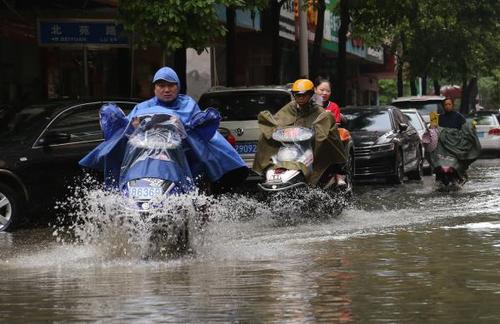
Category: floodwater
[403,253]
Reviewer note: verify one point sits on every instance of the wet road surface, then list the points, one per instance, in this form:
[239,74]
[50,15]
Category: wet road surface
[400,254]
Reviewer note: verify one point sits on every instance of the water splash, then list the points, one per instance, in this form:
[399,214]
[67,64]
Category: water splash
[102,218]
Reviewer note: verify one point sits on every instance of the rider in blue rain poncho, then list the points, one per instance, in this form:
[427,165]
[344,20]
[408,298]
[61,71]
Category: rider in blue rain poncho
[209,155]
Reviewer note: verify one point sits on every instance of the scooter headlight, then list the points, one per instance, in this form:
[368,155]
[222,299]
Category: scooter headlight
[288,154]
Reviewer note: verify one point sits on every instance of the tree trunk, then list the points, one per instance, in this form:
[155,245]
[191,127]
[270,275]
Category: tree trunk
[318,39]
[230,46]
[424,85]
[400,53]
[180,65]
[469,93]
[413,86]
[345,20]
[437,87]
[400,79]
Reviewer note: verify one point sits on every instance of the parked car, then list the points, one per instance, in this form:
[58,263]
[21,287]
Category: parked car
[239,108]
[385,144]
[488,130]
[418,122]
[423,104]
[40,146]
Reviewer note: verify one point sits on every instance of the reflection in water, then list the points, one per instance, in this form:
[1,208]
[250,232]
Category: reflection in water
[400,254]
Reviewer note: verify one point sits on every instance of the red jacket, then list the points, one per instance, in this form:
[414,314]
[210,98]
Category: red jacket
[334,108]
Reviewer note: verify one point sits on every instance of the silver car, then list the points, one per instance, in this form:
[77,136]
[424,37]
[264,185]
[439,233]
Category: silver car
[239,108]
[418,122]
[488,130]
[423,104]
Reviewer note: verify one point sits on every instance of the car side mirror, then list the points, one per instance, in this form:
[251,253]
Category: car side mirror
[55,138]
[403,127]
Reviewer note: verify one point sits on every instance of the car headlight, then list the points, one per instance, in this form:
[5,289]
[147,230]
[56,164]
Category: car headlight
[383,148]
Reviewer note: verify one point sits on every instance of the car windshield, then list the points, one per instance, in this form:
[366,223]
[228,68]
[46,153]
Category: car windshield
[414,121]
[483,119]
[368,120]
[424,108]
[244,105]
[21,123]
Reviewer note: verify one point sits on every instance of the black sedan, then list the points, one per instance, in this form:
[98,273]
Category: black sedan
[385,144]
[40,147]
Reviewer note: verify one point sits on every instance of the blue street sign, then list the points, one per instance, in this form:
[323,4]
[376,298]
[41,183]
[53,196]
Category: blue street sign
[92,32]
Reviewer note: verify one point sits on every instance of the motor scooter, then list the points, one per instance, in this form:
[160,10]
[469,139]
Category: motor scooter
[294,161]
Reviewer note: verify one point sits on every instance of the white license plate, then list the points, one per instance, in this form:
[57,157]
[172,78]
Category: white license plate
[246,148]
[145,192]
[480,134]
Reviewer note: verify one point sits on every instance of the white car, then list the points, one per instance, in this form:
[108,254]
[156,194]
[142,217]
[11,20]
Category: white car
[423,104]
[239,108]
[418,122]
[488,130]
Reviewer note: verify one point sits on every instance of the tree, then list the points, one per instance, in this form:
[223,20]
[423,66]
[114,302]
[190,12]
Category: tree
[440,39]
[489,90]
[174,25]
[318,36]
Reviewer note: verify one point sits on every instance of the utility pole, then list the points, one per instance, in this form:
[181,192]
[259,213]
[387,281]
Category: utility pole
[303,40]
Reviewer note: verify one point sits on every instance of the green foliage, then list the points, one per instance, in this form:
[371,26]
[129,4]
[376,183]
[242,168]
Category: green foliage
[442,39]
[175,24]
[387,91]
[489,90]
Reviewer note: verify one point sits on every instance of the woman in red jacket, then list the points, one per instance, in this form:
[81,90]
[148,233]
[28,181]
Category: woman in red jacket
[323,89]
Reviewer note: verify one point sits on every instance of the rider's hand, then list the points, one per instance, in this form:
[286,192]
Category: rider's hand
[136,122]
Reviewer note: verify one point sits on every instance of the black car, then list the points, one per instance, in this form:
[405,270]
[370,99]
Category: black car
[385,144]
[40,147]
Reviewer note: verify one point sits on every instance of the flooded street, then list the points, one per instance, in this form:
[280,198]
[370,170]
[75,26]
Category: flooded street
[400,254]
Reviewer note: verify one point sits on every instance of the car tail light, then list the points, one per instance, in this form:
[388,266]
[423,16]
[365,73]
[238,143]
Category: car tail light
[231,139]
[494,131]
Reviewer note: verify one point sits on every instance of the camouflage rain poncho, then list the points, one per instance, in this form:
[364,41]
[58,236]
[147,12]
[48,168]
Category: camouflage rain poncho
[456,148]
[328,148]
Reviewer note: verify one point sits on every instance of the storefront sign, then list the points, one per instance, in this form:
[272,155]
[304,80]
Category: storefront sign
[88,32]
[375,55]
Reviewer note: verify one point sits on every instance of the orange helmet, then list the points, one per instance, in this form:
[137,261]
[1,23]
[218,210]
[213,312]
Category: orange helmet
[302,86]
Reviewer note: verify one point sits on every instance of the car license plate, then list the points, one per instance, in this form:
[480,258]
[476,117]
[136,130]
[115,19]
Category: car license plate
[480,134]
[246,148]
[143,193]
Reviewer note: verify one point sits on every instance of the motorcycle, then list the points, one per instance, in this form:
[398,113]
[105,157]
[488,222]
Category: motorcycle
[451,152]
[294,160]
[154,170]
[449,176]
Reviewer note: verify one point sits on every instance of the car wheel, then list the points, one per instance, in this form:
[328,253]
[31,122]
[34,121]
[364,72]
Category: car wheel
[418,173]
[399,175]
[10,214]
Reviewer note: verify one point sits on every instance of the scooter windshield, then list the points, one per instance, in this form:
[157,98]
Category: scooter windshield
[155,150]
[295,144]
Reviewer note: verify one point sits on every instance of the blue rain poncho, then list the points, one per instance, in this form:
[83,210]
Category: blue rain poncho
[208,153]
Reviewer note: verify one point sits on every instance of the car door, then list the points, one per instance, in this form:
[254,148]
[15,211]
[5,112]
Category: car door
[408,138]
[55,154]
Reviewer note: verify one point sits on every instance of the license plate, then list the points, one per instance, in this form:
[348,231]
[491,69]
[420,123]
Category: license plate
[480,134]
[246,148]
[147,193]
